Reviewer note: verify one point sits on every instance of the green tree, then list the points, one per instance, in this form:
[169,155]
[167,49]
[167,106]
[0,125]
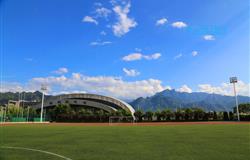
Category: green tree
[231,116]
[198,114]
[225,116]
[188,114]
[166,114]
[149,115]
[158,115]
[138,114]
[62,113]
[243,108]
[215,117]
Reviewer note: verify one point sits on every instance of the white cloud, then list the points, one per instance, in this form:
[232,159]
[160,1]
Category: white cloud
[139,56]
[89,20]
[124,23]
[103,33]
[179,24]
[105,85]
[226,88]
[194,53]
[99,43]
[62,70]
[103,12]
[208,37]
[161,22]
[11,87]
[185,88]
[132,57]
[114,86]
[131,72]
[178,56]
[152,56]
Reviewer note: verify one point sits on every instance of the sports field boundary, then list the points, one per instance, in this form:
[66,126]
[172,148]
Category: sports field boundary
[126,124]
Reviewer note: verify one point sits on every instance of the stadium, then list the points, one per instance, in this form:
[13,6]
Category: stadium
[88,101]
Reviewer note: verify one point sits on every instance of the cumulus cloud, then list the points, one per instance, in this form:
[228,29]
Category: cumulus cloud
[62,70]
[178,56]
[100,43]
[185,88]
[105,85]
[161,21]
[194,53]
[114,86]
[226,88]
[131,72]
[208,37]
[139,56]
[124,23]
[179,24]
[89,19]
[103,12]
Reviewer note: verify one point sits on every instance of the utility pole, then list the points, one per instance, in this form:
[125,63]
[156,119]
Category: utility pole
[234,80]
[43,89]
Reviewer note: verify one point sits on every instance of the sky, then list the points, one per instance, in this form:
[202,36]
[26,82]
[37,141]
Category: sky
[125,49]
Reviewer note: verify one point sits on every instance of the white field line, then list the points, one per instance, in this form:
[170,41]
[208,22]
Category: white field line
[36,150]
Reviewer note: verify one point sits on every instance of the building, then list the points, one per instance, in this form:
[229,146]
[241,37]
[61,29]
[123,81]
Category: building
[108,104]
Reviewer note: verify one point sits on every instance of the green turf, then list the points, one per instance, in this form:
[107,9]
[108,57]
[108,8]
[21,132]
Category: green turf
[191,142]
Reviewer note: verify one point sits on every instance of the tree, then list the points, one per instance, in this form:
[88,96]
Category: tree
[158,115]
[243,108]
[149,115]
[198,114]
[188,114]
[62,113]
[231,116]
[166,114]
[138,114]
[225,116]
[215,117]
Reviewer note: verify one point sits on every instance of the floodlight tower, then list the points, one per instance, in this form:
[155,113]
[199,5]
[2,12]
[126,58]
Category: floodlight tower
[43,89]
[234,80]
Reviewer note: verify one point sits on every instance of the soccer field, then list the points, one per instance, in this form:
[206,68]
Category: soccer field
[168,142]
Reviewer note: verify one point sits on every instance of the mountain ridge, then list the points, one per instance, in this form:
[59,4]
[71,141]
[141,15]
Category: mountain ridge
[173,99]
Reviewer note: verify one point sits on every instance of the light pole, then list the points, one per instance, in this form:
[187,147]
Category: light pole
[43,88]
[234,80]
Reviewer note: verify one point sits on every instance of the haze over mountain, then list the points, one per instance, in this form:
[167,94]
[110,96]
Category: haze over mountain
[172,99]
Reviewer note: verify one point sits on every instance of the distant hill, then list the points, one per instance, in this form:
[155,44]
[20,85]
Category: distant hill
[172,99]
[28,96]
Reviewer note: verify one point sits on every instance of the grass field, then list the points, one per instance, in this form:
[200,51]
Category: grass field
[171,142]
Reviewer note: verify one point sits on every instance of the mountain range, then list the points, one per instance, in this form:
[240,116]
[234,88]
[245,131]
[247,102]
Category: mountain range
[172,99]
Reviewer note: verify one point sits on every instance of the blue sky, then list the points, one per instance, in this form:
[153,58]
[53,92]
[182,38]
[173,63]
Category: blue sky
[125,48]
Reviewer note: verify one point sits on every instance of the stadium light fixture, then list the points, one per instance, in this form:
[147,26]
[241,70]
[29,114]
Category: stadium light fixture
[43,89]
[234,80]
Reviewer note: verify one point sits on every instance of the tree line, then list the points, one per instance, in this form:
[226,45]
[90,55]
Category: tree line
[67,113]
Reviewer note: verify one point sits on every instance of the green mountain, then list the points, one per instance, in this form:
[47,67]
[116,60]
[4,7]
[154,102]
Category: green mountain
[27,96]
[172,99]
